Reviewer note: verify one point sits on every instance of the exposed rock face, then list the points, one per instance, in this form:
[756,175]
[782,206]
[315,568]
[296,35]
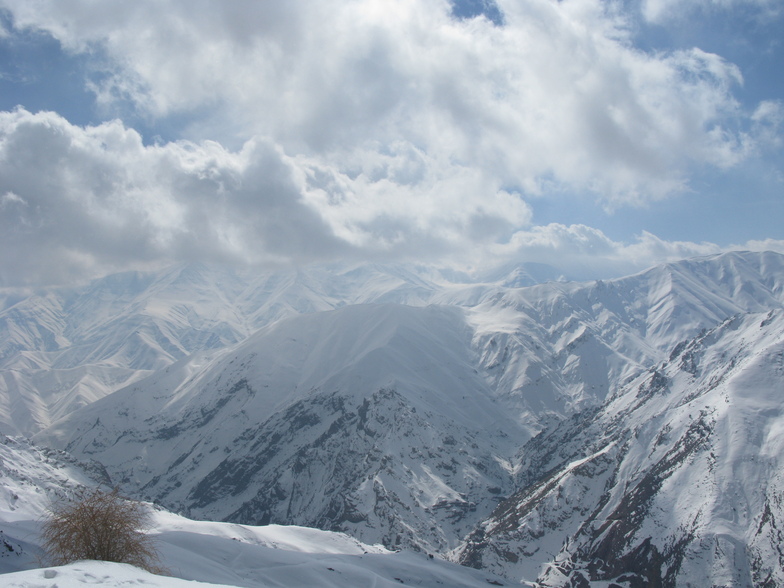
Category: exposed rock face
[626,431]
[370,419]
[672,483]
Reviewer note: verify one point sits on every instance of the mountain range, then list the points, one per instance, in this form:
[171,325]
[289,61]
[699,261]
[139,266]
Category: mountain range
[560,433]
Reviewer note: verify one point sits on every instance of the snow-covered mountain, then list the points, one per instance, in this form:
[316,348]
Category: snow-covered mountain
[535,430]
[677,480]
[221,554]
[64,348]
[371,419]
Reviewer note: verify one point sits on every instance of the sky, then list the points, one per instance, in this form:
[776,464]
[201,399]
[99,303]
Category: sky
[599,136]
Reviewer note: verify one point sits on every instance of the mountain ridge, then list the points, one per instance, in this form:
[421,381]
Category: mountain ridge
[502,426]
[641,487]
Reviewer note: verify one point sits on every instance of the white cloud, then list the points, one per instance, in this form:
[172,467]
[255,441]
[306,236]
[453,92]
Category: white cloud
[660,11]
[558,92]
[768,119]
[587,253]
[78,201]
[357,128]
[763,245]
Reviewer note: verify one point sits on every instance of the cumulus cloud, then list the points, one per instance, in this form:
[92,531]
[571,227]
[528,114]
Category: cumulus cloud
[558,92]
[347,128]
[79,201]
[91,199]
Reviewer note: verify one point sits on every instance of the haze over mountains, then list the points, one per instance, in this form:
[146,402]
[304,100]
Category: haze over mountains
[627,430]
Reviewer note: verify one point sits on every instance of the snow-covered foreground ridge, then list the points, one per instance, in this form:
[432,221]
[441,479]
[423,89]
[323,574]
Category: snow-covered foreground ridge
[622,431]
[221,554]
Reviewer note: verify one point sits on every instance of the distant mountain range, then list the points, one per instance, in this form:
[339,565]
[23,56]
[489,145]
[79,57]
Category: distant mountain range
[63,348]
[625,431]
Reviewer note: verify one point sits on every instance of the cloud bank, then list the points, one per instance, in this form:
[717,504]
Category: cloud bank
[349,128]
[74,198]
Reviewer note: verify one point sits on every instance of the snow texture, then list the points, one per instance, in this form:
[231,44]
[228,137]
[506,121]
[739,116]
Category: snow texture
[209,552]
[624,431]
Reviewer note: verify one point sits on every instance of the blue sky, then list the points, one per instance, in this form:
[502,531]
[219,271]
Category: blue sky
[598,136]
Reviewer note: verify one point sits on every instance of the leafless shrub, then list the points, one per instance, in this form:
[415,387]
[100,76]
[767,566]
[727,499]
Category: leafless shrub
[99,525]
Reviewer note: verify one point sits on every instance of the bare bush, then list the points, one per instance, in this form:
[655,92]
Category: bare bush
[101,526]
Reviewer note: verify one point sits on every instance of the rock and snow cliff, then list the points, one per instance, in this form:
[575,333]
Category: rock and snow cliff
[676,480]
[623,430]
[223,554]
[370,419]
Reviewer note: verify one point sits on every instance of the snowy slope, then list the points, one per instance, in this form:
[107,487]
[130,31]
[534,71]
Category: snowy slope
[67,348]
[64,348]
[370,419]
[401,424]
[80,574]
[677,480]
[228,562]
[30,478]
[218,553]
[61,349]
[406,423]
[556,349]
